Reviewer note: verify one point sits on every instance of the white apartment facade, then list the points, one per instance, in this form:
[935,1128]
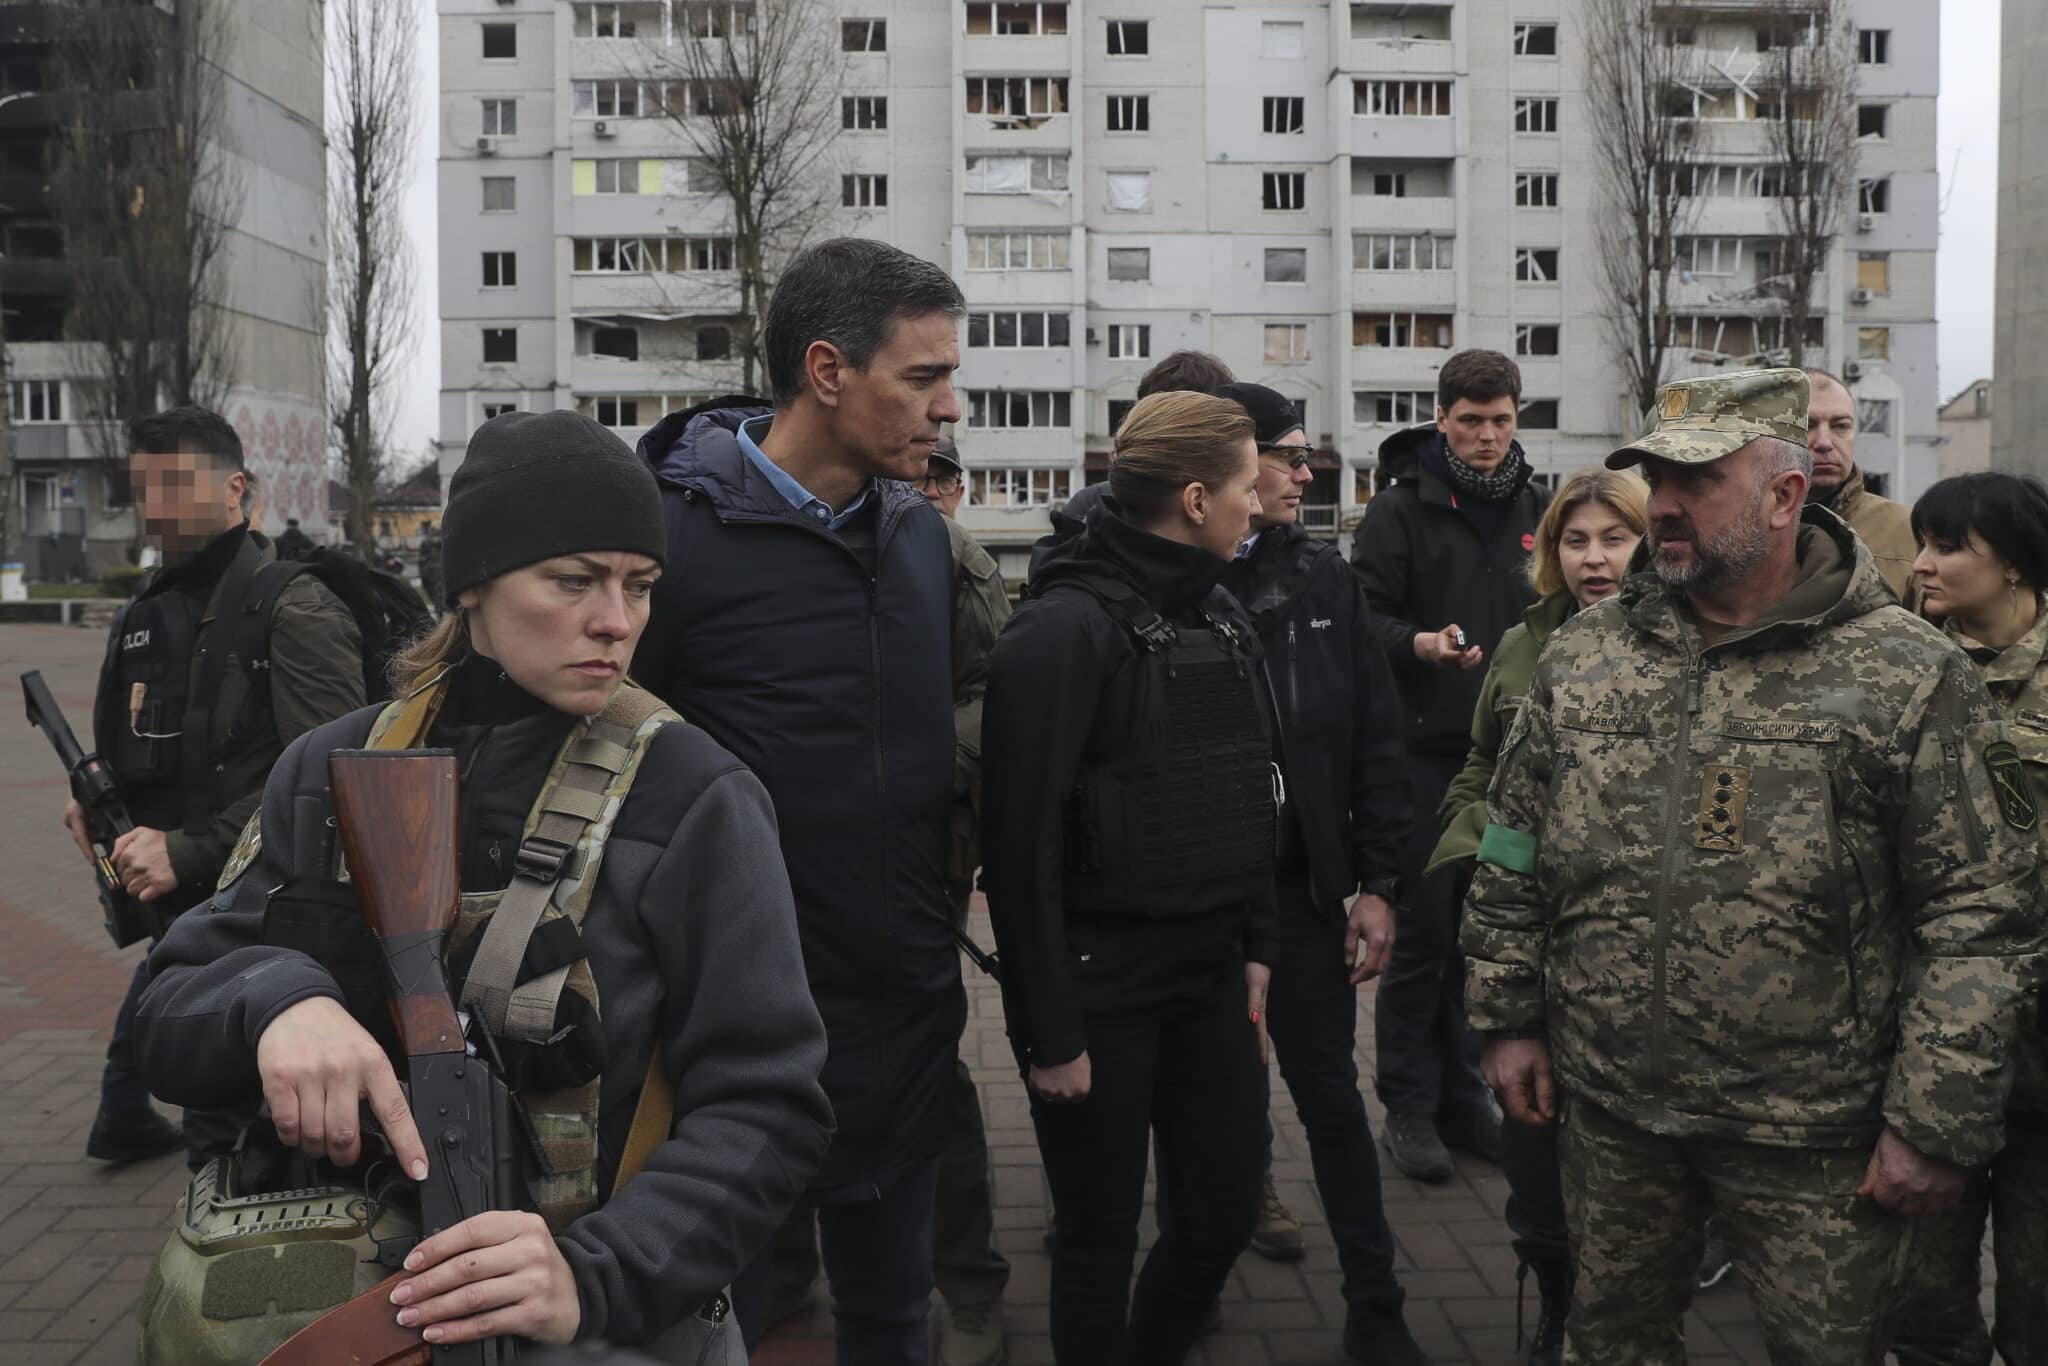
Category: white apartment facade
[1331,197]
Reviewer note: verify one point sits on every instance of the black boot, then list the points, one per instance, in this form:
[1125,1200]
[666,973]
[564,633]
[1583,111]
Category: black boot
[136,1137]
[1554,1287]
[1380,1337]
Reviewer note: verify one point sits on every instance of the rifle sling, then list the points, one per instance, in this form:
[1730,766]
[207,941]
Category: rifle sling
[517,1010]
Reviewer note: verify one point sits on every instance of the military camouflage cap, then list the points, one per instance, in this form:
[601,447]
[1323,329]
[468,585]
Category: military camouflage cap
[1700,420]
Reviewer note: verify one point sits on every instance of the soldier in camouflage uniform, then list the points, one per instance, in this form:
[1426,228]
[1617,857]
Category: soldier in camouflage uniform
[1754,883]
[1982,569]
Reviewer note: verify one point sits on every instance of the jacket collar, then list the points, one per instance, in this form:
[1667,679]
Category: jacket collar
[1653,609]
[1171,575]
[2015,665]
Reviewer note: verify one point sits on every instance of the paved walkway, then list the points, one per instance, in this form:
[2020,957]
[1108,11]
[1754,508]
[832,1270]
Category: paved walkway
[76,1240]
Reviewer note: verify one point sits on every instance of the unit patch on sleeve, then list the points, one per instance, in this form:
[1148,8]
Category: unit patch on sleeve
[2009,785]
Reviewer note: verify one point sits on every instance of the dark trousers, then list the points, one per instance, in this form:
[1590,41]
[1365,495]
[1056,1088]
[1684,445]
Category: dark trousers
[966,1266]
[123,1093]
[1190,1071]
[1536,1213]
[878,1256]
[1428,1058]
[1313,1018]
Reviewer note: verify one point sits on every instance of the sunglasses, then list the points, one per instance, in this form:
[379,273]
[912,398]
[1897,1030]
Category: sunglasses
[1295,456]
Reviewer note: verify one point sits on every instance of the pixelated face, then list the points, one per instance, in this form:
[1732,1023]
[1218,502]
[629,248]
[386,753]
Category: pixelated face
[890,414]
[1479,433]
[1830,436]
[1281,480]
[185,501]
[564,629]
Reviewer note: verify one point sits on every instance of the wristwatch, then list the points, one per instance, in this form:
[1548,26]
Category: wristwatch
[1387,889]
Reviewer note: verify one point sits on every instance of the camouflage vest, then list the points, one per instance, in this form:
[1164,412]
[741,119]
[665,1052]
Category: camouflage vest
[561,850]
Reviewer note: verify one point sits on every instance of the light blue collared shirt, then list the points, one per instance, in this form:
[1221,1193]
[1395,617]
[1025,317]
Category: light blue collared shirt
[797,496]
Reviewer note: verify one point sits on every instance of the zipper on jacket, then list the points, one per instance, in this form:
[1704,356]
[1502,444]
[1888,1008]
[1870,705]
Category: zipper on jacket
[1674,831]
[1293,677]
[1845,905]
[1957,790]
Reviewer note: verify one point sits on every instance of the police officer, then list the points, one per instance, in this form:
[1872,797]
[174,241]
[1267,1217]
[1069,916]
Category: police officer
[1982,572]
[1128,838]
[1757,883]
[190,735]
[1341,834]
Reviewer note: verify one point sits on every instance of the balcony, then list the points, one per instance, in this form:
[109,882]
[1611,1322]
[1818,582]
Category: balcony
[1388,213]
[1401,56]
[1033,54]
[1376,136]
[1405,290]
[663,294]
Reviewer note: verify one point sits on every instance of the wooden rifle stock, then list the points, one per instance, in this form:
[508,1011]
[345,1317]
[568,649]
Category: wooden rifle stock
[397,811]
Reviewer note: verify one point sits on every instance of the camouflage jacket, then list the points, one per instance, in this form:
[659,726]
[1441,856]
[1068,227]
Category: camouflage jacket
[2017,678]
[1778,888]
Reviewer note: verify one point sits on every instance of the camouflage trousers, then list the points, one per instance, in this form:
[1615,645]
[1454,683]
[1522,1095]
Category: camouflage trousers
[1939,1321]
[1819,1259]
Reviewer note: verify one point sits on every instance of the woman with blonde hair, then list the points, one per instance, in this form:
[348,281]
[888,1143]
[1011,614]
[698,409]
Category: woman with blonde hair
[1583,545]
[1128,834]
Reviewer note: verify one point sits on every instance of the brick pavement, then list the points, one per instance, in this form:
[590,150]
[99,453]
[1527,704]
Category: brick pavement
[76,1240]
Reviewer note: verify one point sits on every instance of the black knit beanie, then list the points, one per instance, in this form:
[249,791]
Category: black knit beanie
[536,485]
[1273,415]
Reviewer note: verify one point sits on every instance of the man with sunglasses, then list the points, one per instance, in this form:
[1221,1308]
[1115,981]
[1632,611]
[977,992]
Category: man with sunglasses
[1341,831]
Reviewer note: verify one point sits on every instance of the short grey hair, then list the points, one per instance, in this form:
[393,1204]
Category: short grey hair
[1776,456]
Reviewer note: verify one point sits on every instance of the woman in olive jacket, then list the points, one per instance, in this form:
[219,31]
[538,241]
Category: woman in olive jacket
[1583,546]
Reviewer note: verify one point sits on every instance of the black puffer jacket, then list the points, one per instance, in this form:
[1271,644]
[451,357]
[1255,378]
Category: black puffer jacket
[1425,563]
[692,943]
[1340,717]
[835,687]
[1064,691]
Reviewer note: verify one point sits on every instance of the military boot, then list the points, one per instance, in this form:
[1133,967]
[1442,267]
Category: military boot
[137,1137]
[1554,1286]
[1415,1148]
[1380,1337]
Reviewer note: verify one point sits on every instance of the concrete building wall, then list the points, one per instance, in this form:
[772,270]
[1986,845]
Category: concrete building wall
[1185,254]
[2020,408]
[1965,426]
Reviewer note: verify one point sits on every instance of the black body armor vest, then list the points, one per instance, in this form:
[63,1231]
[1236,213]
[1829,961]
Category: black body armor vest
[154,640]
[1181,822]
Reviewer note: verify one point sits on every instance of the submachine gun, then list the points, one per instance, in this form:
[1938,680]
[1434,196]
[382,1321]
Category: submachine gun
[106,814]
[397,813]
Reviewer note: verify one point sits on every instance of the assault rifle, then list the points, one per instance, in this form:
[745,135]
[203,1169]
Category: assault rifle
[106,815]
[397,812]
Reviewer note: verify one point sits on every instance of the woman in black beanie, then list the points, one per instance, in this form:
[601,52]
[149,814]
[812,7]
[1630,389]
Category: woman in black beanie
[662,931]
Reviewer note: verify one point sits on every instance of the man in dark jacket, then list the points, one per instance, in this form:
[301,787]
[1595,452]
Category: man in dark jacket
[190,745]
[1443,556]
[805,621]
[1341,837]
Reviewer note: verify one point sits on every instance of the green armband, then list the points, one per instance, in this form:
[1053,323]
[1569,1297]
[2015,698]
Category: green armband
[1514,850]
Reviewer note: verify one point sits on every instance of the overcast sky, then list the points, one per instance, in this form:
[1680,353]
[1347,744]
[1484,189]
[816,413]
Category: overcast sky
[1969,220]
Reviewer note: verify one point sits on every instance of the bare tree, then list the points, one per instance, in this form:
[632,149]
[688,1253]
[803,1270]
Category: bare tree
[1806,88]
[146,200]
[753,88]
[1643,137]
[370,55]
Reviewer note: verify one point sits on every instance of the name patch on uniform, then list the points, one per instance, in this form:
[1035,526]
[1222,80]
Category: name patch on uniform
[2009,785]
[1793,732]
[1724,792]
[1603,722]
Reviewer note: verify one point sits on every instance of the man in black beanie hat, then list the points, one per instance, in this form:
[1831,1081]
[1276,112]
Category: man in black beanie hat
[1341,832]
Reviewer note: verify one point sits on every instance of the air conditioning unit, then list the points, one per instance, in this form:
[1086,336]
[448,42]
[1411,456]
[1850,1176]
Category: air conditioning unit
[604,129]
[1866,222]
[486,147]
[1859,295]
[1852,370]
[1093,337]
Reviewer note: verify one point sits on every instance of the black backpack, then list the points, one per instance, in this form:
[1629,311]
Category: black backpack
[389,612]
